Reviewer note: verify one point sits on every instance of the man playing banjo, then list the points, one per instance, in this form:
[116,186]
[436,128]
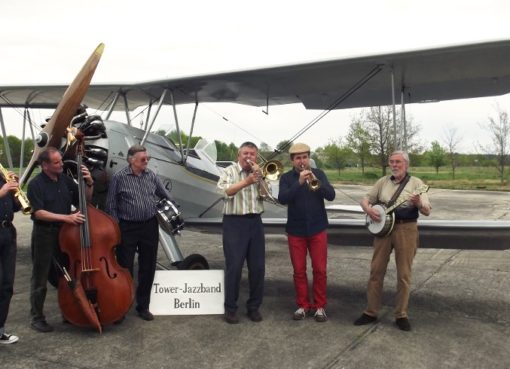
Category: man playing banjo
[403,237]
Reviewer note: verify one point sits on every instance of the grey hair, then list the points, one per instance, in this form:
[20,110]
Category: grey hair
[249,144]
[134,149]
[404,155]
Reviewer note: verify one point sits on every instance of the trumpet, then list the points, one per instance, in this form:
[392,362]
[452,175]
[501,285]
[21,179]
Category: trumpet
[313,182]
[19,194]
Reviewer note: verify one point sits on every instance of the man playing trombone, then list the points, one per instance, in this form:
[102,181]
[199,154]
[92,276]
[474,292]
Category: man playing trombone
[304,189]
[243,232]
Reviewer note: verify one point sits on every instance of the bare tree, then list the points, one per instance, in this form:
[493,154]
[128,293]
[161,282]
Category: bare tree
[451,140]
[499,129]
[379,122]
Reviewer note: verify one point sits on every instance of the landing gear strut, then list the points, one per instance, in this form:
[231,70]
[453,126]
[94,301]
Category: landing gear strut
[173,253]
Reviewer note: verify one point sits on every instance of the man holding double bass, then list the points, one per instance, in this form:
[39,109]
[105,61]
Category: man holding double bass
[403,238]
[51,194]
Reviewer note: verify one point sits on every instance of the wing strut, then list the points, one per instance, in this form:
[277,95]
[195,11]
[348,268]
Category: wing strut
[191,130]
[126,109]
[393,107]
[160,103]
[112,106]
[177,127]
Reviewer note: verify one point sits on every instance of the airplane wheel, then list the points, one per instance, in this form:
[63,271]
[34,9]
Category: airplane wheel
[193,261]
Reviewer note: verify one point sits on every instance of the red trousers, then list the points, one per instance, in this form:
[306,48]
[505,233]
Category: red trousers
[317,246]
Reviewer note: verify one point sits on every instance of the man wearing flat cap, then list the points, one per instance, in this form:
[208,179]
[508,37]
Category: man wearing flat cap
[303,190]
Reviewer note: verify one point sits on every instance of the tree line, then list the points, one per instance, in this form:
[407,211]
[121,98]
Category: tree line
[15,148]
[378,131]
[372,136]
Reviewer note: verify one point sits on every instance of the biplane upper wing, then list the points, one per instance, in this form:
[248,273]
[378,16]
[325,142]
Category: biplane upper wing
[455,72]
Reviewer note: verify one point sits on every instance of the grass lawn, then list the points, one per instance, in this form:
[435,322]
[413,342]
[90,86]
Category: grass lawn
[466,178]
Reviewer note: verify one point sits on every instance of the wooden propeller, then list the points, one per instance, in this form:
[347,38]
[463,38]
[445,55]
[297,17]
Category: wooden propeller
[52,133]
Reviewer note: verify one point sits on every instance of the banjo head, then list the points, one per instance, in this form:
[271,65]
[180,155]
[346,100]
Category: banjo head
[385,223]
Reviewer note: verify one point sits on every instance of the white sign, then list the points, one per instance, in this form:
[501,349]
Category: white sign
[188,292]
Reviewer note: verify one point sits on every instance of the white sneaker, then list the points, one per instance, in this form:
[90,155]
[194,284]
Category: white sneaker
[320,315]
[6,339]
[299,314]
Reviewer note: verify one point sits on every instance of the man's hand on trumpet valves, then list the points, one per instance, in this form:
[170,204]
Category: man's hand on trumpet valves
[305,175]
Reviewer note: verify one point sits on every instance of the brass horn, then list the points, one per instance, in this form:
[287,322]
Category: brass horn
[313,182]
[19,194]
[272,170]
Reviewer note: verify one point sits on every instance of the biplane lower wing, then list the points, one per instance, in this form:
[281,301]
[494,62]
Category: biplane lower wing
[440,234]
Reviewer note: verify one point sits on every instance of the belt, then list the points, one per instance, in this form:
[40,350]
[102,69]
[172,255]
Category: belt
[402,221]
[5,224]
[47,224]
[137,221]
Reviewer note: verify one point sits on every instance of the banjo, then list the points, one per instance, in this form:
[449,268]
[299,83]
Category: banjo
[386,215]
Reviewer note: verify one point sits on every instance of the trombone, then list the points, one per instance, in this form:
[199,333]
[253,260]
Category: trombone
[313,182]
[271,171]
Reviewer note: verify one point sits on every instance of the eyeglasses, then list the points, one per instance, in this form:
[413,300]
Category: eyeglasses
[145,160]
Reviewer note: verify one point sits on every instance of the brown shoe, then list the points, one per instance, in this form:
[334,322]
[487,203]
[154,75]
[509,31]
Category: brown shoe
[231,317]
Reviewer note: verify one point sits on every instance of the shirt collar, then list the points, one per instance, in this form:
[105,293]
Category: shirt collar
[392,178]
[47,177]
[130,171]
[240,169]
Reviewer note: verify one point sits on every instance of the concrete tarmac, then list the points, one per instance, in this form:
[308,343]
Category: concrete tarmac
[459,311]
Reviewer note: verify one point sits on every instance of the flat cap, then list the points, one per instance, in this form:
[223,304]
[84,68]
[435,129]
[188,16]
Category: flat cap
[298,148]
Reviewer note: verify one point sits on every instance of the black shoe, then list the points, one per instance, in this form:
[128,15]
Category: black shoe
[365,319]
[146,315]
[231,317]
[403,324]
[254,316]
[41,326]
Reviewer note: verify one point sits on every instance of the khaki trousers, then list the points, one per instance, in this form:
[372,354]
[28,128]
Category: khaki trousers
[404,239]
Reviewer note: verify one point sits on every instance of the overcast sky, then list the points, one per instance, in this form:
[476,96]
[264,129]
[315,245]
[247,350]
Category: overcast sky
[46,42]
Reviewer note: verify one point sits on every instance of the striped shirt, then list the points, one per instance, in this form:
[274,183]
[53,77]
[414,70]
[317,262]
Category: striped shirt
[247,200]
[134,198]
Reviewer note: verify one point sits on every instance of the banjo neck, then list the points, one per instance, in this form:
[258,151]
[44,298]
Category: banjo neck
[418,191]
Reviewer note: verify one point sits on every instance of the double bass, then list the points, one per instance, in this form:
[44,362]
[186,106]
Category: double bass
[93,269]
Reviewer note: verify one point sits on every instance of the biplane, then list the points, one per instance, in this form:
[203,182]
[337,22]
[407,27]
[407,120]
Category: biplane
[191,173]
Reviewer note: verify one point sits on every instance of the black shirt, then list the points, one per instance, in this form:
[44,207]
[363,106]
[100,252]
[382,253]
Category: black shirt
[306,213]
[8,205]
[56,197]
